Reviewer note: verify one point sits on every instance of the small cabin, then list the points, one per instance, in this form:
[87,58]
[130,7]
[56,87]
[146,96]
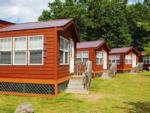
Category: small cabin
[125,58]
[37,58]
[95,51]
[145,59]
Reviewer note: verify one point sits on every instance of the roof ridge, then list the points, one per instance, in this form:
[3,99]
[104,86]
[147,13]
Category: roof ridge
[122,47]
[42,21]
[36,25]
[91,41]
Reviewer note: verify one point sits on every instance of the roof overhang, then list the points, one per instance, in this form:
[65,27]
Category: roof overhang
[3,21]
[127,51]
[101,44]
[71,23]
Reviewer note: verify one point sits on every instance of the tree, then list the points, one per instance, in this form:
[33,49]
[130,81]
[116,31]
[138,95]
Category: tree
[147,48]
[119,23]
[138,22]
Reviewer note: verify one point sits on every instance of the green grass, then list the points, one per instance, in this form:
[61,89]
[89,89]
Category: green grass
[125,93]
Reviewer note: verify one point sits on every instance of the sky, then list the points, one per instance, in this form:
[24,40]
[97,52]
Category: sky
[20,11]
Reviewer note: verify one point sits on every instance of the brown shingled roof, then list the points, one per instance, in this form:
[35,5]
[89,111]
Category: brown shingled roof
[122,50]
[36,25]
[90,44]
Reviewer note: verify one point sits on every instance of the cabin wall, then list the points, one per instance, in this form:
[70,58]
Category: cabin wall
[97,67]
[46,71]
[92,57]
[64,70]
[145,66]
[123,66]
[120,66]
[128,66]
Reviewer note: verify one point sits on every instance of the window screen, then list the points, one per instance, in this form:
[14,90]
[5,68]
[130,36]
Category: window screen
[35,50]
[20,57]
[63,51]
[99,57]
[5,51]
[36,57]
[5,57]
[20,48]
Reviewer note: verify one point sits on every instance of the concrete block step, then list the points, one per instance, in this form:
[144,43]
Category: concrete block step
[76,86]
[75,82]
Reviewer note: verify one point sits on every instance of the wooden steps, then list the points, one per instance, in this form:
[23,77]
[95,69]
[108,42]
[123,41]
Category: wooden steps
[75,85]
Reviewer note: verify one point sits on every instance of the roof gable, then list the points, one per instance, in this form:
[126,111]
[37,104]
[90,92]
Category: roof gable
[122,50]
[36,25]
[90,44]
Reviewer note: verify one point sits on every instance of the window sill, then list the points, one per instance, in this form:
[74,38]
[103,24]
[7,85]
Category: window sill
[64,64]
[99,64]
[5,64]
[35,64]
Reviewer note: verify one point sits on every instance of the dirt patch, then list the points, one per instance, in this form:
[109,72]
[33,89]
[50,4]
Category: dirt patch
[89,97]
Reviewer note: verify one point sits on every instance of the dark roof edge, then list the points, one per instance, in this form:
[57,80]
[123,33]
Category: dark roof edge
[103,42]
[6,21]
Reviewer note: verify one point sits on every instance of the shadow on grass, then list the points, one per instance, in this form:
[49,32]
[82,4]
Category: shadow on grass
[139,107]
[136,107]
[147,75]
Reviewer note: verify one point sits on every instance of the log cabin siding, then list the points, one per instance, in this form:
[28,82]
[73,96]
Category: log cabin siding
[92,56]
[63,70]
[49,67]
[123,66]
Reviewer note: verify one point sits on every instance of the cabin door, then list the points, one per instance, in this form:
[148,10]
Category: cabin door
[133,60]
[71,56]
[104,60]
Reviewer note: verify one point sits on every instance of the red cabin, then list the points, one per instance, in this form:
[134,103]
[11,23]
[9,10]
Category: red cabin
[146,60]
[125,58]
[37,58]
[95,51]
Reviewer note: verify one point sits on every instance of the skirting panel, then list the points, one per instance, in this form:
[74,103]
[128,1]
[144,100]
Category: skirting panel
[27,88]
[33,87]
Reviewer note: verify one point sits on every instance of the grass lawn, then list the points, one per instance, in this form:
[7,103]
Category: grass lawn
[125,93]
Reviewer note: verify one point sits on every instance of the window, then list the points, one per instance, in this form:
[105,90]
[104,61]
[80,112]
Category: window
[35,50]
[16,48]
[128,59]
[114,59]
[63,51]
[20,48]
[5,51]
[99,58]
[82,56]
[79,58]
[146,59]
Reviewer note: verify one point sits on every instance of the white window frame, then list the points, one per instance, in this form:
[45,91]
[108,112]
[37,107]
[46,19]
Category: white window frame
[64,50]
[128,59]
[7,50]
[115,58]
[35,49]
[81,55]
[19,50]
[146,59]
[99,52]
